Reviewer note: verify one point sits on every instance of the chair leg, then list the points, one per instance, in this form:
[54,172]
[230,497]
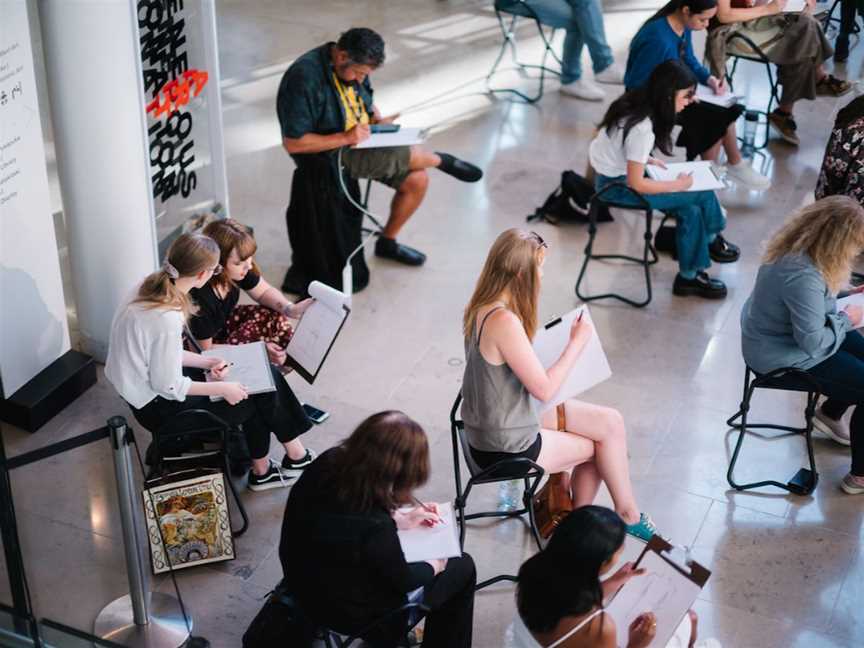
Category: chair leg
[237,500]
[592,232]
[528,498]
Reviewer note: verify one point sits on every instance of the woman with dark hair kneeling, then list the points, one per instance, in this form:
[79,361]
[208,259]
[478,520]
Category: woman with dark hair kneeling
[340,550]
[560,595]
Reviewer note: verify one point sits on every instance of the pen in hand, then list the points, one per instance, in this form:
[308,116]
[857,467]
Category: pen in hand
[222,368]
[428,509]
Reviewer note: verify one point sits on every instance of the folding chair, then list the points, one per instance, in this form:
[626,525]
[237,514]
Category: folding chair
[786,379]
[649,254]
[501,471]
[520,9]
[742,48]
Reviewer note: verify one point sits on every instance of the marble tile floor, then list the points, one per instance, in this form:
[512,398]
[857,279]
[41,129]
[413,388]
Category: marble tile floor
[788,571]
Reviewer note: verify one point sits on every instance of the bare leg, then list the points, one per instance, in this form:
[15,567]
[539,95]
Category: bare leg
[584,483]
[294,449]
[786,107]
[260,466]
[605,428]
[422,159]
[711,153]
[730,145]
[405,201]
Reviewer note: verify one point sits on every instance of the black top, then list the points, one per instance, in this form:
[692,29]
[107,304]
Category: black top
[213,311]
[308,102]
[345,568]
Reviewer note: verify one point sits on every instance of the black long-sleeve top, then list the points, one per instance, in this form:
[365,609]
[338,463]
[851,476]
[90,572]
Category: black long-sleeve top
[346,568]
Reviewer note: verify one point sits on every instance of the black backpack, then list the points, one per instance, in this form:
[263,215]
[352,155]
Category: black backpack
[570,202]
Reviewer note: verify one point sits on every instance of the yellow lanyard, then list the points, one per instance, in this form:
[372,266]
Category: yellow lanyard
[352,103]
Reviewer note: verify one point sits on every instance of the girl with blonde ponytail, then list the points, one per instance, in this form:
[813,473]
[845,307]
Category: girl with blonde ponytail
[158,379]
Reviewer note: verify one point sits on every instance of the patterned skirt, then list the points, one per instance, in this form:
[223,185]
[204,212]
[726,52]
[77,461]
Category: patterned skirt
[251,323]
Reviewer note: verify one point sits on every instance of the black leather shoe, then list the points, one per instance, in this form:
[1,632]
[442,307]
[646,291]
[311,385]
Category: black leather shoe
[388,248]
[722,251]
[459,169]
[701,286]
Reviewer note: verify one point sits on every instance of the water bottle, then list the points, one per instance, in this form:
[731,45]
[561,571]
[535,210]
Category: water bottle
[751,122]
[509,495]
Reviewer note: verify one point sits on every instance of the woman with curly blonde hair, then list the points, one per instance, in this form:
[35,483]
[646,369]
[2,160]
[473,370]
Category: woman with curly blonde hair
[791,317]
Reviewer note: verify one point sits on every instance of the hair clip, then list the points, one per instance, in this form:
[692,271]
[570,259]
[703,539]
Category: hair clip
[170,270]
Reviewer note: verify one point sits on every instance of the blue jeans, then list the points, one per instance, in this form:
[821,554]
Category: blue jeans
[841,379]
[583,20]
[698,220]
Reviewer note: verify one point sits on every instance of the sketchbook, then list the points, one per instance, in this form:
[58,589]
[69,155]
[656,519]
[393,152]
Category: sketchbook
[668,589]
[795,6]
[403,137]
[590,369]
[706,95]
[317,330]
[432,543]
[250,366]
[704,178]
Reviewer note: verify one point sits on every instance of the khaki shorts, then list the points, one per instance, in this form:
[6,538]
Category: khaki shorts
[388,166]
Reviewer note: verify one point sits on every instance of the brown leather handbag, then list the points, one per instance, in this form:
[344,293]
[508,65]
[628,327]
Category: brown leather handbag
[553,502]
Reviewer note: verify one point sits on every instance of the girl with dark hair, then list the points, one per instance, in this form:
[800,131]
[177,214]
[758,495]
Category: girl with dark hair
[340,550]
[220,320]
[843,165]
[633,126]
[158,379]
[560,596]
[706,127]
[794,42]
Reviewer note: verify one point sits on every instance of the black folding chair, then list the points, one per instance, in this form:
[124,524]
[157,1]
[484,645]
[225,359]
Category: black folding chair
[502,471]
[786,379]
[739,47]
[516,9]
[649,253]
[415,610]
[195,438]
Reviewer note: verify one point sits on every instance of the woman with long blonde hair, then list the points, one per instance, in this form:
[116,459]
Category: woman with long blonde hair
[158,379]
[791,317]
[502,372]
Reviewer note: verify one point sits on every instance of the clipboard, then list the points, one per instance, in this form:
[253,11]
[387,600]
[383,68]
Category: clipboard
[668,590]
[317,330]
[590,369]
[705,178]
[251,366]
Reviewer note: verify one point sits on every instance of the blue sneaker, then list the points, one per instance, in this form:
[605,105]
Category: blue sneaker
[644,529]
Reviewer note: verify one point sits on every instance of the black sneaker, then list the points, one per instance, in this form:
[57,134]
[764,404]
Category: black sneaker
[389,249]
[722,251]
[294,467]
[701,286]
[459,169]
[275,477]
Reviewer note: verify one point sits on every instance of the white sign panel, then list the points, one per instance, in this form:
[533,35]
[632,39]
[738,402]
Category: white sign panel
[33,327]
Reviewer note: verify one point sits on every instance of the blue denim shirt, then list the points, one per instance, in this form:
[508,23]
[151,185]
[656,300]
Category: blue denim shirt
[790,318]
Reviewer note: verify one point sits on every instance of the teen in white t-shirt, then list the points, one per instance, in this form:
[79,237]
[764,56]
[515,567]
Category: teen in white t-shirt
[634,125]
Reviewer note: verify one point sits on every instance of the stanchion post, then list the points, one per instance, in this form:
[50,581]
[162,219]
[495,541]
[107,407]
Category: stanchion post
[141,619]
[139,578]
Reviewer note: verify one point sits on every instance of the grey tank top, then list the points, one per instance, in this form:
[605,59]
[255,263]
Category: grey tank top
[496,407]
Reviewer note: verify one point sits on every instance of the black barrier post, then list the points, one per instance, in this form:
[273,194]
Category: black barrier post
[12,548]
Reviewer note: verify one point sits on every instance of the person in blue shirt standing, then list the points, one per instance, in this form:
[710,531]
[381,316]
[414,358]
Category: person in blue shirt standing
[706,127]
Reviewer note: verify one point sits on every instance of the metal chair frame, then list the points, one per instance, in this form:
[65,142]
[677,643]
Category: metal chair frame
[649,253]
[215,425]
[507,31]
[760,57]
[531,479]
[805,480]
[333,639]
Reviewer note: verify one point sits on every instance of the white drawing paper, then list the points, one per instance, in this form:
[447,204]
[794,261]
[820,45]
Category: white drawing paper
[435,542]
[706,95]
[590,369]
[251,366]
[317,329]
[405,136]
[704,178]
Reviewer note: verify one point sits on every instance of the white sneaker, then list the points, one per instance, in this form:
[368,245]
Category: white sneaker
[583,89]
[746,174]
[837,431]
[614,75]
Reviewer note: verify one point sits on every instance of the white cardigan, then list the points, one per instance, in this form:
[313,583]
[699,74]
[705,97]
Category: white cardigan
[145,355]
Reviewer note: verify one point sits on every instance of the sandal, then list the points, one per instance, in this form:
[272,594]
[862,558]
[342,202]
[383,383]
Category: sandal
[831,86]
